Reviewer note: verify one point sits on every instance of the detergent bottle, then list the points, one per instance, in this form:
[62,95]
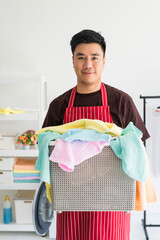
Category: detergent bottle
[7,210]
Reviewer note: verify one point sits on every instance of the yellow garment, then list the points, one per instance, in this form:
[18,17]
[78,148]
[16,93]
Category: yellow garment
[25,171]
[97,125]
[48,192]
[7,111]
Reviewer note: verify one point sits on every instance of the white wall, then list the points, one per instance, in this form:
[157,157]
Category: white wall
[35,37]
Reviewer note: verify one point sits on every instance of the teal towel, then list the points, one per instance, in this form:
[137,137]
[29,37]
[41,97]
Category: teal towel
[42,163]
[132,129]
[26,174]
[27,181]
[129,147]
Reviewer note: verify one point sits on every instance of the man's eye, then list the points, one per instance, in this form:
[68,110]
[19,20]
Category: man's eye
[80,57]
[95,58]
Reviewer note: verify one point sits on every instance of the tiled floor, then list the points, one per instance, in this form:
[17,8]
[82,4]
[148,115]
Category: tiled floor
[137,232]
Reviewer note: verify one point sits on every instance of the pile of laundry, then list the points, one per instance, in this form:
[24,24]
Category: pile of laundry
[24,171]
[83,139]
[79,140]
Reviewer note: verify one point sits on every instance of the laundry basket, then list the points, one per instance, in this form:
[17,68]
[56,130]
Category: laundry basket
[97,184]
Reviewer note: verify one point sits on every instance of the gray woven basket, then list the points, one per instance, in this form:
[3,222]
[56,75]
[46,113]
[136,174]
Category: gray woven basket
[97,184]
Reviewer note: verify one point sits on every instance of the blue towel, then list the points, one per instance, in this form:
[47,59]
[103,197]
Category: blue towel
[129,147]
[42,163]
[85,135]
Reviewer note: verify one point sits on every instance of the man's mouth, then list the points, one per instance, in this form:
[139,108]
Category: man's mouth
[87,73]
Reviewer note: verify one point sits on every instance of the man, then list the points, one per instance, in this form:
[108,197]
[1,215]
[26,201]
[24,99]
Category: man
[93,100]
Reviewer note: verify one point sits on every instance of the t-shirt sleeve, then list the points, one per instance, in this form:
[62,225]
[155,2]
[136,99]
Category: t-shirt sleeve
[131,114]
[53,115]
[56,110]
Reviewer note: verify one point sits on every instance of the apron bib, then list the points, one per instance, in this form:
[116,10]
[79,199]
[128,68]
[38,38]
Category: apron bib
[91,225]
[94,112]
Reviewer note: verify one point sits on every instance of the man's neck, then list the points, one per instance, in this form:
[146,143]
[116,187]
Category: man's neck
[88,88]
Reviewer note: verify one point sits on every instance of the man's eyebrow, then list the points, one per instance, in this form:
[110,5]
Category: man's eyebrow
[82,54]
[95,54]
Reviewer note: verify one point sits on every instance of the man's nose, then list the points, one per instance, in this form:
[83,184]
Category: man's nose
[88,63]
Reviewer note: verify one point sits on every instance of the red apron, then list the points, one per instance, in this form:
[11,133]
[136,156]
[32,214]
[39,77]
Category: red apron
[92,225]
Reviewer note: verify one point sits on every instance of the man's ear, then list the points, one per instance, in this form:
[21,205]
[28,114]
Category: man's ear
[104,60]
[73,60]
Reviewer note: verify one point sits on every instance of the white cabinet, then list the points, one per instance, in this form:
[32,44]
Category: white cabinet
[29,94]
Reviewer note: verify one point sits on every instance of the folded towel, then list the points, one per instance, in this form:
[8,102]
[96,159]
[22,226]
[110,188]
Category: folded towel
[26,174]
[25,178]
[24,164]
[25,171]
[27,181]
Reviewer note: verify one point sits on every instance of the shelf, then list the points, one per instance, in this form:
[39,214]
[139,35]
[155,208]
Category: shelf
[20,117]
[16,227]
[35,107]
[13,226]
[21,78]
[19,186]
[35,110]
[19,153]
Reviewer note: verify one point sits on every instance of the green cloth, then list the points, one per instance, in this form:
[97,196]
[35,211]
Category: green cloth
[42,163]
[129,147]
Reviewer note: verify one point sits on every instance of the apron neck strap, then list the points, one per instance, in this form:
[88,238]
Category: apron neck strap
[72,97]
[103,94]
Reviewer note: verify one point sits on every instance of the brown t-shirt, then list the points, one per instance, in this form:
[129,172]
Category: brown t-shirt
[122,108]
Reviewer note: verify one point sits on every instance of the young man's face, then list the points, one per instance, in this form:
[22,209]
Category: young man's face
[88,62]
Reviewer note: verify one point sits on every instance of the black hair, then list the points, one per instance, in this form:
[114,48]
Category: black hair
[87,36]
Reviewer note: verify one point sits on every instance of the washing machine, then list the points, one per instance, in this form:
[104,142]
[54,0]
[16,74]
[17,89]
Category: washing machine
[42,212]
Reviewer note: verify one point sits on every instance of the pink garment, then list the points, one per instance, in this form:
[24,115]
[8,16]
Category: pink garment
[70,154]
